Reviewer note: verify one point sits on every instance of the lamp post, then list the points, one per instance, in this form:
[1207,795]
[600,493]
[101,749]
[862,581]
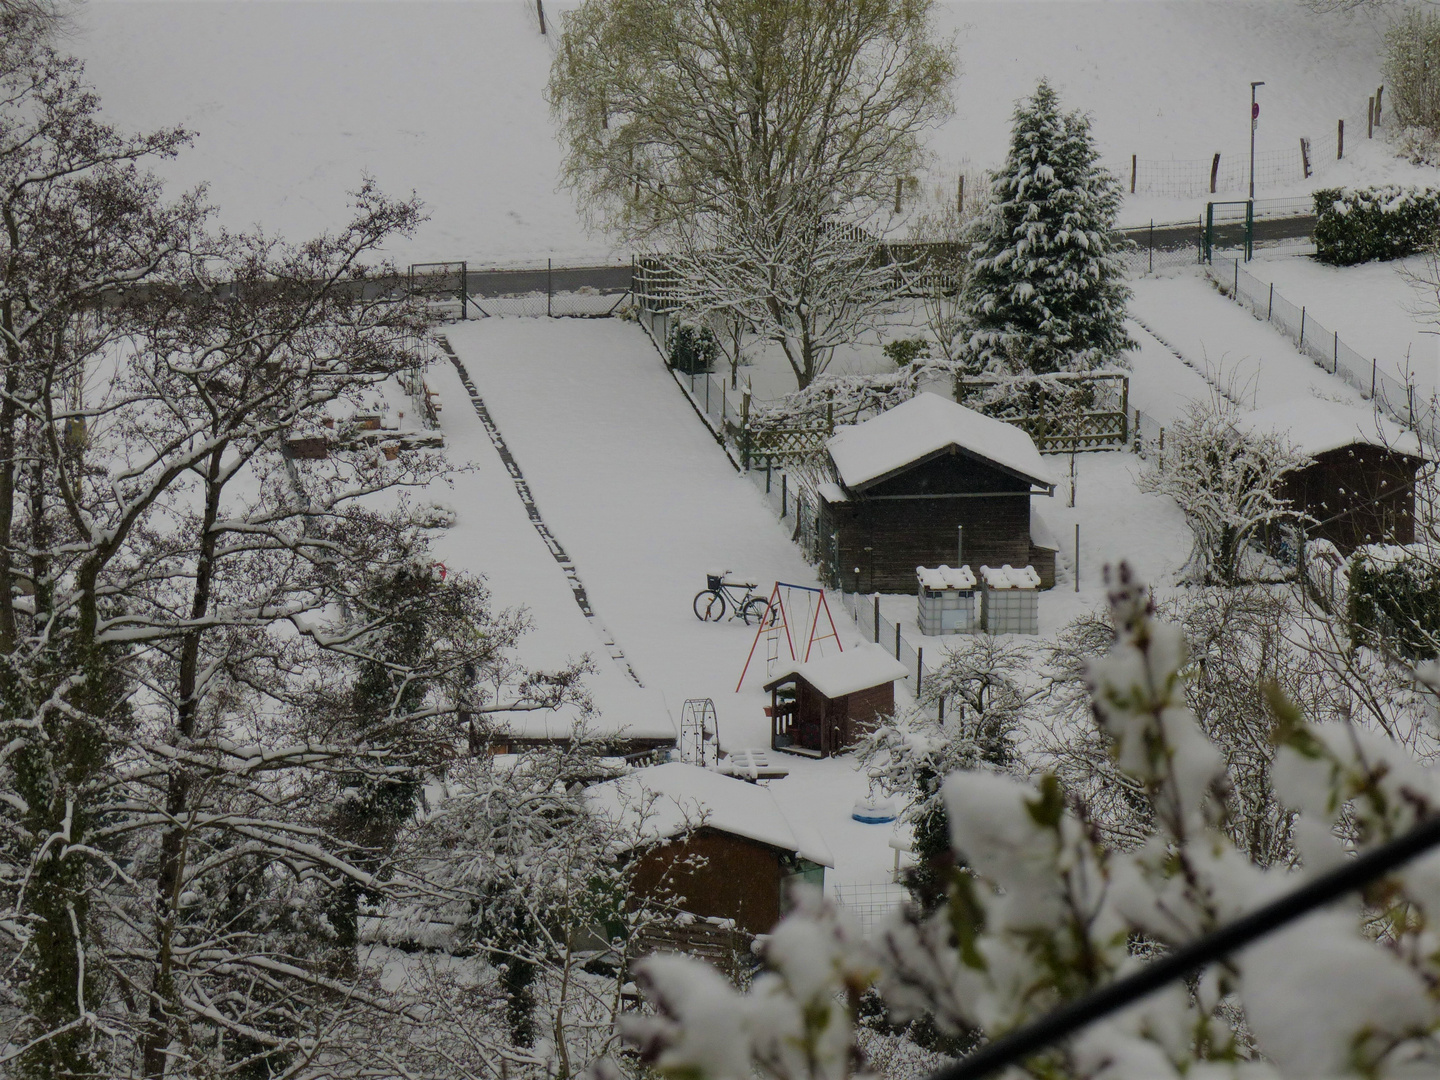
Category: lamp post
[1254,118]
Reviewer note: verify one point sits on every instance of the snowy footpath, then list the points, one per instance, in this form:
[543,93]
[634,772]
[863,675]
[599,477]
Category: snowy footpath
[641,498]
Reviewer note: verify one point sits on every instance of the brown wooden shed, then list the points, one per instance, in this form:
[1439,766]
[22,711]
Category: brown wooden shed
[724,845]
[1359,487]
[826,706]
[912,477]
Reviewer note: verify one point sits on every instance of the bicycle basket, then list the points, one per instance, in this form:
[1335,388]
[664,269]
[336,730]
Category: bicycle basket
[712,581]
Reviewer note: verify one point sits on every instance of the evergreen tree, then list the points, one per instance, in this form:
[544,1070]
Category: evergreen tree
[1046,290]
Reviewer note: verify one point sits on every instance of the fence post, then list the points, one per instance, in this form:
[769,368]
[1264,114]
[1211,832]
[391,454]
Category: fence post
[1214,172]
[1370,119]
[707,393]
[1305,156]
[1151,246]
[784,495]
[1160,459]
[1077,537]
[767,475]
[745,429]
[877,613]
[1335,351]
[1235,289]
[1132,174]
[919,668]
[1372,378]
[1302,328]
[1340,141]
[897,641]
[1270,307]
[464,291]
[1379,93]
[549,284]
[540,7]
[960,195]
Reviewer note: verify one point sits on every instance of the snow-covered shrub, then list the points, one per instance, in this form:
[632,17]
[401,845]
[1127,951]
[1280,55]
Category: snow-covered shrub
[1395,598]
[1355,225]
[903,351]
[1046,289]
[1045,914]
[693,348]
[1225,480]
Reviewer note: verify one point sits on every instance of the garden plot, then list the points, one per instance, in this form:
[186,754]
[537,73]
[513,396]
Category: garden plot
[1255,363]
[493,536]
[633,485]
[1375,307]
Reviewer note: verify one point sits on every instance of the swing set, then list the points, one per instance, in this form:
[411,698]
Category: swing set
[785,601]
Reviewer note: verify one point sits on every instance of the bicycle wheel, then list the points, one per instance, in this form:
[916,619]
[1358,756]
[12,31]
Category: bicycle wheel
[754,611]
[709,606]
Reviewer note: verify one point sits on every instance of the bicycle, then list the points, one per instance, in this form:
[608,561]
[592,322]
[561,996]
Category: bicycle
[710,601]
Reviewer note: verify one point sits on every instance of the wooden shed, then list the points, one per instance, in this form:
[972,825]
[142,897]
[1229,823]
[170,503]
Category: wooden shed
[911,478]
[826,706]
[1359,487]
[723,845]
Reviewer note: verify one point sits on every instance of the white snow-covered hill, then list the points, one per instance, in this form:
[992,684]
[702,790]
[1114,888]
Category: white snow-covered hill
[294,101]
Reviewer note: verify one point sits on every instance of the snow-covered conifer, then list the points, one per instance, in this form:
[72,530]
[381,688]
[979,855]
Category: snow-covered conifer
[1045,290]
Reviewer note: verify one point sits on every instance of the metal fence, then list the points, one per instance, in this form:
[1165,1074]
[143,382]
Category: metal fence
[1224,172]
[1324,346]
[875,627]
[869,903]
[560,291]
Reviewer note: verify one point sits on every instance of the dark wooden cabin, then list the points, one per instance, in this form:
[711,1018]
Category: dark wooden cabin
[1359,487]
[912,477]
[725,845]
[826,706]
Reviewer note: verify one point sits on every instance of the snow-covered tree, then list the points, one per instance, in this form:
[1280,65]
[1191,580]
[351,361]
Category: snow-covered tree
[1226,480]
[748,140]
[1046,914]
[1045,290]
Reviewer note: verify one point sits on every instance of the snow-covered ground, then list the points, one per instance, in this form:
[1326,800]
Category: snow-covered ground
[1379,309]
[1252,360]
[294,102]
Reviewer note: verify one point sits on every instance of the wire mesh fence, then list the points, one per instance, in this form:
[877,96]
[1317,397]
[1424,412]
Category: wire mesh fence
[1323,345]
[1224,172]
[870,904]
[557,291]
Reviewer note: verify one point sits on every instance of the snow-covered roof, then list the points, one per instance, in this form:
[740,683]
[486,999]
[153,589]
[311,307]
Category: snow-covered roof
[857,668]
[667,800]
[927,424]
[1041,535]
[1315,426]
[939,578]
[643,717]
[1010,577]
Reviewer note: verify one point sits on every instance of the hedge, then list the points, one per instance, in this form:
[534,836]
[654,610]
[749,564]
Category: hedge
[1395,599]
[1384,222]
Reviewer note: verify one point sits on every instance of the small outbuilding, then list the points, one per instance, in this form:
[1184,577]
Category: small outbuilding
[722,844]
[1359,487]
[912,478]
[826,706]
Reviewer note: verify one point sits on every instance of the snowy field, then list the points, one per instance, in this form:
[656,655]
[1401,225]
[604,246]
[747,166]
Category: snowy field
[294,102]
[1253,361]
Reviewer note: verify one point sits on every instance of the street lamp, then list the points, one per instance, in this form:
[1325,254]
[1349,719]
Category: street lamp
[1254,118]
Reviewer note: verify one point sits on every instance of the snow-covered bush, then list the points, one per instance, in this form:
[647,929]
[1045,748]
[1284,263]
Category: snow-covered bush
[693,348]
[1045,914]
[1225,480]
[1395,599]
[1046,290]
[1388,221]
